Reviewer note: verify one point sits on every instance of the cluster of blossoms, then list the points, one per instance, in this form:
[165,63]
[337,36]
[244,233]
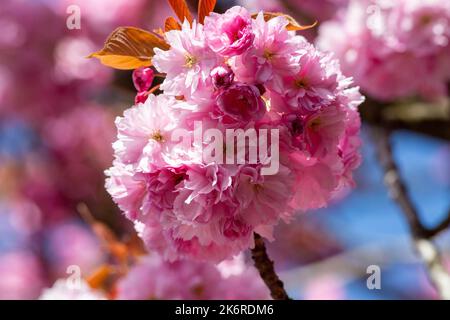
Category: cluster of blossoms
[233,72]
[387,45]
[232,280]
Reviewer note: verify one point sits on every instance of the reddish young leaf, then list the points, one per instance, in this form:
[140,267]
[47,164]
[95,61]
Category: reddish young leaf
[98,278]
[181,9]
[171,24]
[204,8]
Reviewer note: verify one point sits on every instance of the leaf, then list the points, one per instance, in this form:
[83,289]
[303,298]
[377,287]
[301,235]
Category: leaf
[129,48]
[100,275]
[136,246]
[204,8]
[181,9]
[104,233]
[293,24]
[171,24]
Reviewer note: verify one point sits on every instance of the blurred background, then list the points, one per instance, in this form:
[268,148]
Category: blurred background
[57,113]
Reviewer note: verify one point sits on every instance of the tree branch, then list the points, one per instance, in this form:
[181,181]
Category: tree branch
[422,236]
[444,225]
[426,118]
[267,271]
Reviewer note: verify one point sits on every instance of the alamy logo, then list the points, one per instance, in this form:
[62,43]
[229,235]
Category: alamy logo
[374,280]
[238,146]
[73,281]
[73,21]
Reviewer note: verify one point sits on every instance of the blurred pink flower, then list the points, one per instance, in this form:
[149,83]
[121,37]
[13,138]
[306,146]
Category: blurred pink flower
[325,287]
[393,49]
[22,276]
[189,280]
[70,244]
[103,13]
[71,63]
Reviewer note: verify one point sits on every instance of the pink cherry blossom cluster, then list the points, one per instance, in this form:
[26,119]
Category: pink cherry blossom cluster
[234,72]
[230,280]
[394,49]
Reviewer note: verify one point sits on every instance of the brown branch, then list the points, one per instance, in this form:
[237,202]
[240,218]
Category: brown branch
[392,179]
[267,271]
[398,189]
[425,118]
[421,235]
[444,225]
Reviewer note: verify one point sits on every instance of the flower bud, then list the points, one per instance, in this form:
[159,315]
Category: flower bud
[222,77]
[143,78]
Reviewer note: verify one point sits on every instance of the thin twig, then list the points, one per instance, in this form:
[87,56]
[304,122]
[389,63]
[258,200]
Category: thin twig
[267,271]
[444,225]
[351,264]
[422,236]
[152,90]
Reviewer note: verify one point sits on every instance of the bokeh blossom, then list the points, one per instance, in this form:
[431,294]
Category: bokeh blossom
[154,278]
[23,275]
[393,49]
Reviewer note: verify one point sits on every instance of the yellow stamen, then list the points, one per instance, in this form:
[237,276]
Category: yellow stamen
[157,136]
[258,187]
[301,83]
[426,19]
[198,291]
[315,123]
[268,55]
[190,61]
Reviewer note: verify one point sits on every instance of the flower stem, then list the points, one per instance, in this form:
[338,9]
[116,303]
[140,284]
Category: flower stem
[267,271]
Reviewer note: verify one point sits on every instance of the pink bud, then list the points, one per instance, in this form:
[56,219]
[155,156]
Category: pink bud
[143,78]
[141,97]
[222,77]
